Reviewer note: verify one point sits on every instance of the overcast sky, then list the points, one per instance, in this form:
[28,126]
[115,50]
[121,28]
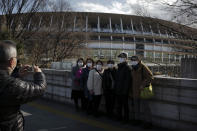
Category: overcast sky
[120,7]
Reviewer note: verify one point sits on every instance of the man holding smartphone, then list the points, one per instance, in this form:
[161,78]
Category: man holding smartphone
[15,92]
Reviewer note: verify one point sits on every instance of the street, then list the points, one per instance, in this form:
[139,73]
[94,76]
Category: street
[44,115]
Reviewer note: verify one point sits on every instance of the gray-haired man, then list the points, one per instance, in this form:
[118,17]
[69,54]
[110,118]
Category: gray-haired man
[15,92]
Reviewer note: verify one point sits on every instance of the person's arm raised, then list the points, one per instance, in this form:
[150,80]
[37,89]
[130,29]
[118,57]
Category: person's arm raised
[22,91]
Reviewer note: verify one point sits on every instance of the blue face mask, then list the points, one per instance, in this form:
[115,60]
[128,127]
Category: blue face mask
[80,64]
[121,60]
[110,66]
[99,67]
[89,64]
[134,63]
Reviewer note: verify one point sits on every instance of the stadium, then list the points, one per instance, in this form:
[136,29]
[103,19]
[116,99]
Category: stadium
[153,39]
[157,41]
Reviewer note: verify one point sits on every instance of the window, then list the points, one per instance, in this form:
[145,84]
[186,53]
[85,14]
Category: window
[130,53]
[157,41]
[93,37]
[165,42]
[140,46]
[149,54]
[149,40]
[139,40]
[105,38]
[129,39]
[117,38]
[158,55]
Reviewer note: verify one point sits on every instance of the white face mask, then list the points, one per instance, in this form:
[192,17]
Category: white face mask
[122,60]
[110,65]
[99,67]
[89,64]
[133,63]
[80,64]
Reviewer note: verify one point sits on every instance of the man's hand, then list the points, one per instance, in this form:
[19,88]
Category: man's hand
[37,69]
[24,70]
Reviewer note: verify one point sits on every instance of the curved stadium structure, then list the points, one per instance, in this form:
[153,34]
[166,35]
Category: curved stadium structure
[155,40]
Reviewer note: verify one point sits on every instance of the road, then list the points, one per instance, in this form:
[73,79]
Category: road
[43,115]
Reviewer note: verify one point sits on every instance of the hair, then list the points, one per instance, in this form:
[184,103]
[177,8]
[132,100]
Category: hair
[135,58]
[7,51]
[80,59]
[89,59]
[99,61]
[110,62]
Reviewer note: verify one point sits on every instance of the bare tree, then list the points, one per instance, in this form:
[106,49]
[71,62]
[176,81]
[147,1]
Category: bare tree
[180,11]
[17,15]
[57,39]
[184,11]
[59,6]
[140,10]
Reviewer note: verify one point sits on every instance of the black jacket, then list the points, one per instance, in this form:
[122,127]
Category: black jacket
[13,93]
[123,79]
[84,79]
[109,77]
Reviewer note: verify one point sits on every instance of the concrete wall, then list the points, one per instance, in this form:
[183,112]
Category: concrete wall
[174,105]
[62,65]
[189,68]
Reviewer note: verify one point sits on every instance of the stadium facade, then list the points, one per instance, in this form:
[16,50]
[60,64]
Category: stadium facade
[153,39]
[109,34]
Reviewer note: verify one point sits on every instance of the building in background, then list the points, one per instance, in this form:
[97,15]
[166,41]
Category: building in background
[157,41]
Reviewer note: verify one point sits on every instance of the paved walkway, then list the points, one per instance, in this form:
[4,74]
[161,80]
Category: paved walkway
[44,115]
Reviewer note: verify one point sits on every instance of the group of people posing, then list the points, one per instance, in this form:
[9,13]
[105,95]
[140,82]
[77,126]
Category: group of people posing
[118,85]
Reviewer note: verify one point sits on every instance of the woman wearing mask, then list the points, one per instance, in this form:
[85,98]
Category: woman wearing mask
[77,91]
[94,85]
[83,83]
[109,77]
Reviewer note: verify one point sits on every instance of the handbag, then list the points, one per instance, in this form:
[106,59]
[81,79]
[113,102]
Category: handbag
[147,92]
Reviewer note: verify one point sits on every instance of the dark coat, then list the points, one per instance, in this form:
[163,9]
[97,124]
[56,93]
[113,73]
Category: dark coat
[142,76]
[74,79]
[123,79]
[83,81]
[15,72]
[109,77]
[13,93]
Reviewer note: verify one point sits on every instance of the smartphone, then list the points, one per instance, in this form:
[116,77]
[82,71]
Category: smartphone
[30,69]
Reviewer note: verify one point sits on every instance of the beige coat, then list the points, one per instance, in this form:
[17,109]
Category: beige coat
[94,82]
[138,80]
